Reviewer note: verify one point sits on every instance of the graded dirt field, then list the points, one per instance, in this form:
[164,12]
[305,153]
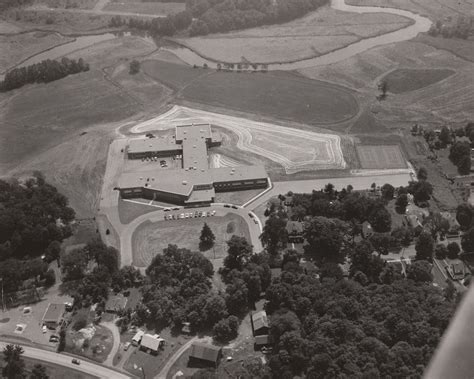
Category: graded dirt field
[21,46]
[380,157]
[152,8]
[406,80]
[279,95]
[150,239]
[315,34]
[434,9]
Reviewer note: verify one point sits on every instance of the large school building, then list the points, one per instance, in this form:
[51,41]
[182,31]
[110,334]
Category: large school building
[193,184]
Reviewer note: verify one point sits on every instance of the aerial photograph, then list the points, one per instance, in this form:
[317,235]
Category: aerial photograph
[236,189]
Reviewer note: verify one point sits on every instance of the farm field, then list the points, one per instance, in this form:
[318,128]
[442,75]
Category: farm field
[380,157]
[152,8]
[315,34]
[150,239]
[279,95]
[70,4]
[19,47]
[406,80]
[435,10]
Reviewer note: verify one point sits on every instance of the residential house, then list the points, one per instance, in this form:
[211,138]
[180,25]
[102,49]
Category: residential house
[116,303]
[203,353]
[53,316]
[151,343]
[259,322]
[295,230]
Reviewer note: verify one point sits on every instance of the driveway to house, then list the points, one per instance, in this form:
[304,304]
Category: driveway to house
[116,335]
[164,371]
[65,360]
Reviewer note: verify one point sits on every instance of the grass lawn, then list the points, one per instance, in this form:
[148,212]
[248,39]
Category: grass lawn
[405,80]
[129,211]
[237,197]
[172,74]
[150,239]
[56,371]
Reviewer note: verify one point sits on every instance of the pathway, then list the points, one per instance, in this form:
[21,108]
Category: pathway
[164,371]
[116,336]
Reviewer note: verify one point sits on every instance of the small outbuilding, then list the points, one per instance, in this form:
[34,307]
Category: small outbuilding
[151,343]
[259,323]
[203,353]
[137,337]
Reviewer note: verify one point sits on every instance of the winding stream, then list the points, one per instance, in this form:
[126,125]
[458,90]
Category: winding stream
[420,25]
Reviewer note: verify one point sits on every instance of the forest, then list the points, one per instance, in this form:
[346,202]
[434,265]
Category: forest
[43,72]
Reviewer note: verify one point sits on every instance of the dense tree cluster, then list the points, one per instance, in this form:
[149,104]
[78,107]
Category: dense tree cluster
[32,216]
[90,271]
[19,274]
[213,16]
[342,328]
[6,4]
[43,72]
[460,156]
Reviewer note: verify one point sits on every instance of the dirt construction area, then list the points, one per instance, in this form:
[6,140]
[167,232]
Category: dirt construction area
[295,150]
[380,157]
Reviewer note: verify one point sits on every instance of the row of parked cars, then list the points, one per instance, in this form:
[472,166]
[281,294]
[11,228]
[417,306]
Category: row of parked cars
[196,214]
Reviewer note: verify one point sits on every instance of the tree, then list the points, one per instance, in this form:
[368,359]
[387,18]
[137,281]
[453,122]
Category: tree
[464,165]
[441,251]
[445,136]
[420,271]
[134,67]
[453,250]
[15,366]
[238,253]
[460,156]
[39,372]
[401,202]
[226,329]
[331,270]
[467,241]
[274,235]
[207,238]
[421,191]
[464,216]
[388,191]
[325,240]
[422,174]
[380,219]
[424,247]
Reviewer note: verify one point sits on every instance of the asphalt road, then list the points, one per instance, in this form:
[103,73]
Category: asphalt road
[65,360]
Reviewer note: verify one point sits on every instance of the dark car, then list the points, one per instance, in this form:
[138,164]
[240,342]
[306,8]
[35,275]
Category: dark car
[54,339]
[250,215]
[226,206]
[235,207]
[76,361]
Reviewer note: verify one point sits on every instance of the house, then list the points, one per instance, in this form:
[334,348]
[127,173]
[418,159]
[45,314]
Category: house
[288,202]
[262,340]
[414,222]
[367,230]
[259,322]
[151,343]
[137,338]
[116,303]
[456,271]
[295,230]
[203,353]
[454,226]
[53,316]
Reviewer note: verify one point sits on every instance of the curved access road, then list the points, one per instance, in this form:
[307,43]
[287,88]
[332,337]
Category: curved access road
[65,360]
[420,25]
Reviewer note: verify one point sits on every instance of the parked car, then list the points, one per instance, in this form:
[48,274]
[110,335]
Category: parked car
[54,338]
[200,214]
[44,329]
[76,361]
[181,215]
[186,215]
[213,213]
[266,350]
[127,345]
[204,214]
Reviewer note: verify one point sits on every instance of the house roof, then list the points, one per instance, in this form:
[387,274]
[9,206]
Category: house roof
[262,340]
[294,227]
[139,334]
[54,312]
[150,342]
[115,303]
[205,352]
[260,320]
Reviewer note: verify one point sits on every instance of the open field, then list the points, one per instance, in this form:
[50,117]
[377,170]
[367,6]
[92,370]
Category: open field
[74,4]
[19,47]
[462,48]
[380,157]
[280,95]
[315,34]
[406,80]
[56,371]
[316,151]
[152,8]
[149,239]
[434,9]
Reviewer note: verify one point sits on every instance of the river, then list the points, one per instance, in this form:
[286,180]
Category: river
[420,25]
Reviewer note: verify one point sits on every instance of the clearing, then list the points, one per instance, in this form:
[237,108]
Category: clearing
[315,34]
[280,95]
[149,239]
[406,80]
[380,157]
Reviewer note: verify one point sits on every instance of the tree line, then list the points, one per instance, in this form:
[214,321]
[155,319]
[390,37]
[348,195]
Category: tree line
[43,72]
[202,17]
[462,28]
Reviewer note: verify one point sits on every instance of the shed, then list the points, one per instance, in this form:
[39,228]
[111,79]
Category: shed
[259,323]
[205,353]
[137,337]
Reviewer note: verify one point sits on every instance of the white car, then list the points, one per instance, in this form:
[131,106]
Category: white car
[204,214]
[181,215]
[186,215]
[213,213]
[44,329]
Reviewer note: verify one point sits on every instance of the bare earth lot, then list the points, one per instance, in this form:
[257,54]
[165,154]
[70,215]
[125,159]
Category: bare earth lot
[150,239]
[315,34]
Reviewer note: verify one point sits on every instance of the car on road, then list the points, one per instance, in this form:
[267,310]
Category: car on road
[76,361]
[250,215]
[54,339]
[255,221]
[176,208]
[235,207]
[226,206]
[167,209]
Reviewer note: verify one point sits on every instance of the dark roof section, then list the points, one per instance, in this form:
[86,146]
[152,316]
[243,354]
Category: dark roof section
[205,352]
[54,313]
[260,320]
[294,227]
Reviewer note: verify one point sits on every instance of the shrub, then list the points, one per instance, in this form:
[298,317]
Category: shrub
[79,324]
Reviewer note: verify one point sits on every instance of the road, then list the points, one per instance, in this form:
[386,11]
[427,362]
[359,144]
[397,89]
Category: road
[65,360]
[164,371]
